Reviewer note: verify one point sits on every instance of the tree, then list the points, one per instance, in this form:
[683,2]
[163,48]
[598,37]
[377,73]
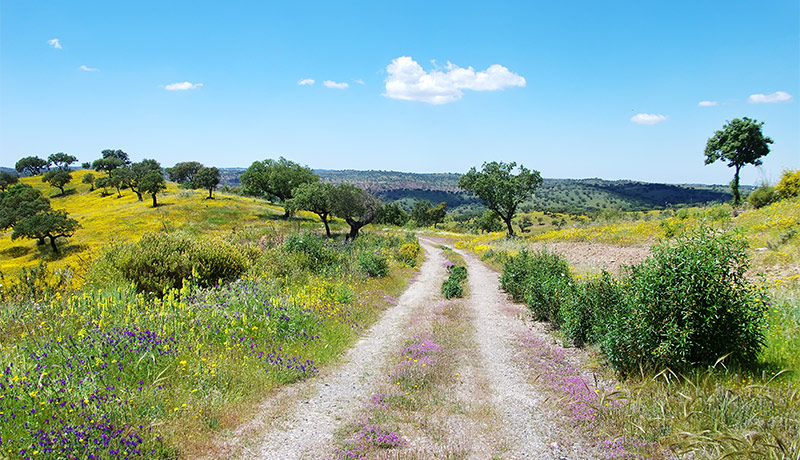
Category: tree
[500,190]
[392,214]
[314,197]
[33,165]
[438,213]
[357,207]
[19,202]
[107,165]
[132,175]
[116,154]
[57,178]
[61,160]
[88,178]
[739,142]
[153,183]
[48,224]
[206,178]
[86,165]
[7,179]
[184,172]
[276,179]
[489,222]
[420,212]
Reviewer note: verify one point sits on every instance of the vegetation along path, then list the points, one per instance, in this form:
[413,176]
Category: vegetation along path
[484,403]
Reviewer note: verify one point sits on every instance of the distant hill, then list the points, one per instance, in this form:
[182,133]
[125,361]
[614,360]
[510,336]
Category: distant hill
[557,195]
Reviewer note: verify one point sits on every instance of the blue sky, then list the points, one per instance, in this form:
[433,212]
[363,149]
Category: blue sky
[573,89]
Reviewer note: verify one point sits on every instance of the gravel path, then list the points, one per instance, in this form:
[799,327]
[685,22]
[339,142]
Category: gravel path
[307,429]
[527,424]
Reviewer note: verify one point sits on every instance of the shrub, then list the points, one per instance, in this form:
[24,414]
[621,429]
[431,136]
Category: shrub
[789,184]
[306,243]
[407,254]
[689,303]
[453,286]
[374,265]
[163,260]
[586,312]
[541,279]
[762,196]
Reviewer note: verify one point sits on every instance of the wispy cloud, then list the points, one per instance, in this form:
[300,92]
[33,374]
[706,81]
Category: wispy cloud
[648,118]
[335,85]
[777,96]
[183,86]
[359,81]
[89,69]
[55,43]
[408,81]
[306,82]
[707,103]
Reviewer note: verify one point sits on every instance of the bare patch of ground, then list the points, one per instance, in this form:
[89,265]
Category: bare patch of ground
[594,257]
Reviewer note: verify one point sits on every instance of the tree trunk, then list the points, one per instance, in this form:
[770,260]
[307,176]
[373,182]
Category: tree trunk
[53,244]
[508,224]
[62,190]
[354,228]
[210,189]
[324,218]
[138,194]
[735,187]
[155,203]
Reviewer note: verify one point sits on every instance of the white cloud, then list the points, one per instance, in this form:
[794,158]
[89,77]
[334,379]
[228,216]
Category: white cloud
[778,96]
[408,81]
[648,118]
[335,85]
[306,82]
[360,81]
[89,69]
[55,43]
[707,103]
[182,86]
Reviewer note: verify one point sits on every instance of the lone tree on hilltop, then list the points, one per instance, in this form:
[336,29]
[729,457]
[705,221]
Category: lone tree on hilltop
[273,180]
[499,189]
[57,178]
[355,205]
[7,179]
[88,178]
[184,172]
[61,160]
[315,197]
[739,142]
[33,165]
[206,178]
[48,224]
[153,183]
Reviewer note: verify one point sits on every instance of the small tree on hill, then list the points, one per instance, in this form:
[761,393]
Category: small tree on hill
[48,224]
[356,206]
[184,172]
[32,165]
[132,176]
[393,214]
[315,197]
[7,179]
[420,212]
[19,202]
[153,183]
[107,165]
[61,160]
[273,180]
[58,178]
[438,213]
[206,178]
[88,178]
[740,142]
[116,154]
[499,189]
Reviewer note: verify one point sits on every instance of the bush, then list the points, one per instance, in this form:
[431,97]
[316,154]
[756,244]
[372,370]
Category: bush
[586,312]
[374,265]
[689,303]
[542,280]
[163,260]
[453,286]
[407,254]
[789,185]
[762,196]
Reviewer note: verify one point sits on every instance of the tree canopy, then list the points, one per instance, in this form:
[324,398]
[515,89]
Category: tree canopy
[116,154]
[28,214]
[183,172]
[355,205]
[19,202]
[7,179]
[107,165]
[739,142]
[153,183]
[57,178]
[61,160]
[499,189]
[273,180]
[315,197]
[133,175]
[31,165]
[206,178]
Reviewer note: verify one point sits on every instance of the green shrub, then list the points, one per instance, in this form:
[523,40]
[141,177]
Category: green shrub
[163,260]
[306,243]
[541,279]
[374,265]
[453,286]
[762,196]
[690,303]
[407,254]
[586,312]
